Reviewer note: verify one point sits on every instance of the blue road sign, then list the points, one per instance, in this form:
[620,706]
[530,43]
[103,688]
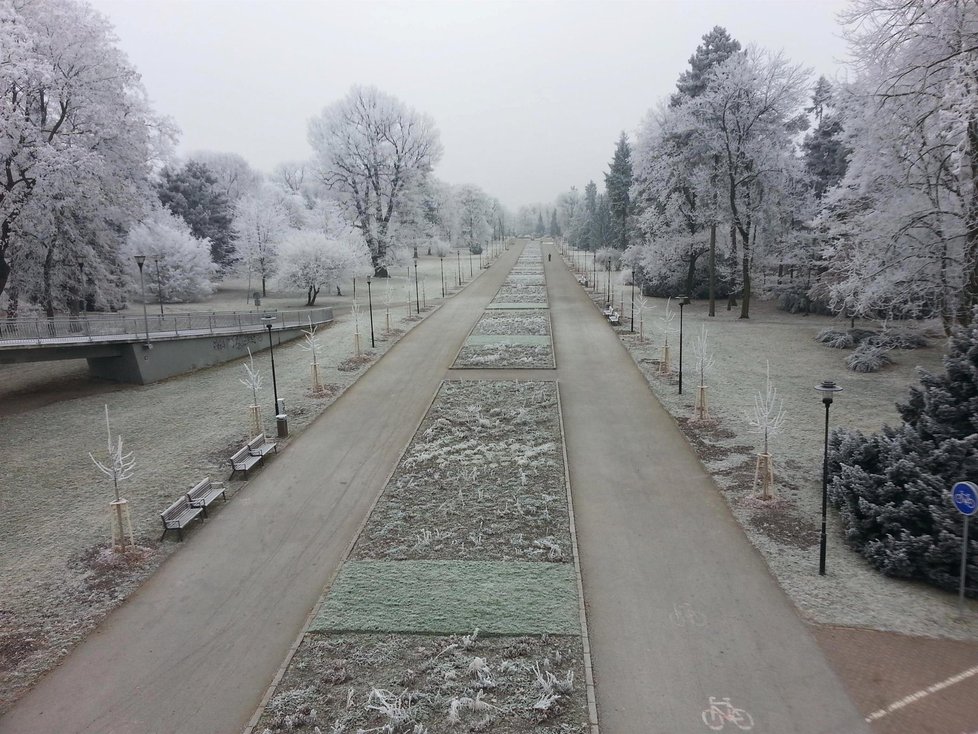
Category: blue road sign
[965,497]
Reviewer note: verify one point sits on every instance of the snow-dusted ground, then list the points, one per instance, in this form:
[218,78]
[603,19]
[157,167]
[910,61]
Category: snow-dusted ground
[787,534]
[56,579]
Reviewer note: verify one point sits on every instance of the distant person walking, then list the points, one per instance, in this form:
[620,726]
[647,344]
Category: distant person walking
[548,257]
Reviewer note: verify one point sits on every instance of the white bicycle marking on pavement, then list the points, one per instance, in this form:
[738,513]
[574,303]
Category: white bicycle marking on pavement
[721,711]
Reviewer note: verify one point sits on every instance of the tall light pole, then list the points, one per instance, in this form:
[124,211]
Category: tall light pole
[631,320]
[442,259]
[683,301]
[268,319]
[140,259]
[827,388]
[82,301]
[370,307]
[417,292]
[159,284]
[470,264]
[458,262]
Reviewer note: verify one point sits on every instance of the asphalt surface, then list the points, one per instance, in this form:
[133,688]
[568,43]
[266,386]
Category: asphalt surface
[680,606]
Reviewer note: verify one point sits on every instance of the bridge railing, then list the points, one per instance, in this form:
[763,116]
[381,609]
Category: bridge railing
[94,327]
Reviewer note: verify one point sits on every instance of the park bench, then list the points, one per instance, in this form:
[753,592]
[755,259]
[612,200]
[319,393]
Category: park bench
[206,492]
[178,515]
[614,318]
[243,460]
[260,445]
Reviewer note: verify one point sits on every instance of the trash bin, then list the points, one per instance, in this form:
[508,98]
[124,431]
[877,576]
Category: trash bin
[282,423]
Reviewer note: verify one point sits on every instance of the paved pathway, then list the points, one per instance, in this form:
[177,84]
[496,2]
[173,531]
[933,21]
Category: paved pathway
[194,649]
[680,606]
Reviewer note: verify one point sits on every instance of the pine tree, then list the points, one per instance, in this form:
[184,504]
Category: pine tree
[717,47]
[591,239]
[825,153]
[554,227]
[192,194]
[540,230]
[618,182]
[892,488]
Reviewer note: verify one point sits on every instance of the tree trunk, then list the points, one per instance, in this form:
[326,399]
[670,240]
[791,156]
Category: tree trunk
[46,275]
[311,295]
[970,295]
[745,293]
[263,292]
[732,290]
[4,272]
[691,272]
[713,269]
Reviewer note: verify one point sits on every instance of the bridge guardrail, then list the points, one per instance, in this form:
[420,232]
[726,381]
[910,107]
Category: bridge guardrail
[93,327]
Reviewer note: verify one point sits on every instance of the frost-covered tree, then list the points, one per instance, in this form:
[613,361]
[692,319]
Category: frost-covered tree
[77,140]
[825,151]
[233,177]
[370,147]
[892,487]
[618,183]
[260,224]
[474,209]
[192,193]
[902,226]
[717,47]
[311,261]
[182,261]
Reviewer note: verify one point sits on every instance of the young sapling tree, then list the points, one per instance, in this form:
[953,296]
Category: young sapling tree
[767,419]
[252,380]
[119,466]
[311,344]
[387,305]
[666,319]
[704,363]
[356,327]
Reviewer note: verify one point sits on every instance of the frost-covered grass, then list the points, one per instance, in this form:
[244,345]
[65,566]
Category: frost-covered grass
[513,322]
[483,479]
[444,684]
[521,295]
[443,597]
[852,593]
[506,354]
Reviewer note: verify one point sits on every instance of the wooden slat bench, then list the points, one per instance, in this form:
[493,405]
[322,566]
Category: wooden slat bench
[243,460]
[178,515]
[206,492]
[614,318]
[260,445]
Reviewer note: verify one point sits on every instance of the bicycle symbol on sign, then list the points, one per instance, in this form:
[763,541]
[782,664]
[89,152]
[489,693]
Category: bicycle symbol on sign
[683,614]
[721,711]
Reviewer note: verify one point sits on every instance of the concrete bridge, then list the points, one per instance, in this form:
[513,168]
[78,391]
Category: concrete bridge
[146,349]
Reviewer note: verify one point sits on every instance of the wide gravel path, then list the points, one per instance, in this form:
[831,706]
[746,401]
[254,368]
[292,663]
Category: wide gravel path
[680,606]
[194,649]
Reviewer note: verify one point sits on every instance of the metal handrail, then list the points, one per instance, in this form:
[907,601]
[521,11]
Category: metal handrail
[93,327]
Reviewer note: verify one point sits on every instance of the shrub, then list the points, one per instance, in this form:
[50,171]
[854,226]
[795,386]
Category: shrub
[835,338]
[891,487]
[798,300]
[868,357]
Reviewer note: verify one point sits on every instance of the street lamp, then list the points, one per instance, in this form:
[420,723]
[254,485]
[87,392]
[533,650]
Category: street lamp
[470,264]
[631,320]
[683,301]
[827,388]
[417,292]
[458,262]
[82,301]
[268,319]
[442,259]
[159,286]
[140,259]
[370,307]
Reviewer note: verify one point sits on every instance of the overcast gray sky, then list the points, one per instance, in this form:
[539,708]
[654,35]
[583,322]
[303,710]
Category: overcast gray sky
[529,96]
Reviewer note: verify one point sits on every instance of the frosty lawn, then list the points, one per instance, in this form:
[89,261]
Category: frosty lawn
[485,339]
[444,597]
[515,306]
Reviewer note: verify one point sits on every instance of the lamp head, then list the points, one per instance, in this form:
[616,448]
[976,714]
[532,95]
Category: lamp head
[140,259]
[683,300]
[828,388]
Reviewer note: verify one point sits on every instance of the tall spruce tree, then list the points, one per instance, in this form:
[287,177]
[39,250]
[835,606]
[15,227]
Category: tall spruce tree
[192,194]
[540,230]
[892,488]
[554,227]
[618,183]
[825,153]
[717,47]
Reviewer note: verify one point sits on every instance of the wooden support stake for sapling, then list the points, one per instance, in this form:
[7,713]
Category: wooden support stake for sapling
[387,305]
[767,418]
[407,295]
[667,318]
[311,344]
[356,327]
[704,363]
[119,466]
[252,379]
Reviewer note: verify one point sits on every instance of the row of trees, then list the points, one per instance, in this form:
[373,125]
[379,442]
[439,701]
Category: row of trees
[865,190]
[88,180]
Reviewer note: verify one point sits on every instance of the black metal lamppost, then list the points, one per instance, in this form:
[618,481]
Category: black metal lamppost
[140,260]
[828,388]
[417,292]
[442,259]
[268,319]
[683,301]
[370,307]
[470,264]
[82,301]
[631,320]
[458,262]
[159,284]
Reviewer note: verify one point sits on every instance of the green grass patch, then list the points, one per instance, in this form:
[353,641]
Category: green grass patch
[445,597]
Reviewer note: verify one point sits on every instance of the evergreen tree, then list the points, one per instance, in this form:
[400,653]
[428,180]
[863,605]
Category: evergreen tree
[192,194]
[590,232]
[825,153]
[540,230]
[618,182]
[716,48]
[892,488]
[554,227]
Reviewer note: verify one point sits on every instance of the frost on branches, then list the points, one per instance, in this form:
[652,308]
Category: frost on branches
[118,466]
[892,487]
[312,261]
